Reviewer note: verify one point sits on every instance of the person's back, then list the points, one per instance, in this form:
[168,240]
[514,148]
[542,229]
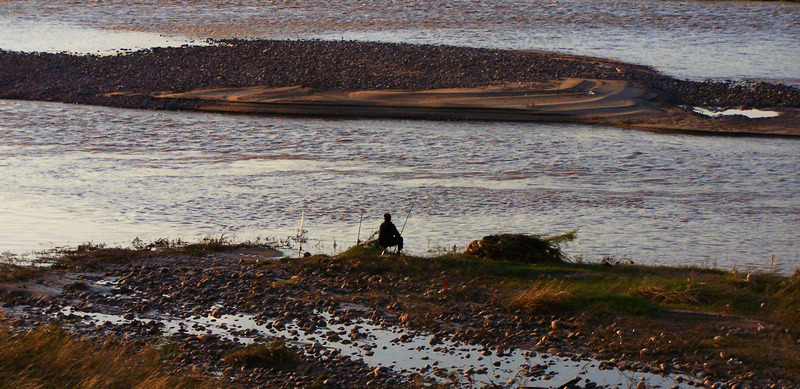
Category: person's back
[388,235]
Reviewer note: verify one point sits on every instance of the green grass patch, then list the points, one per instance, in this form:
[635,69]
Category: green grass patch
[614,303]
[624,289]
[784,301]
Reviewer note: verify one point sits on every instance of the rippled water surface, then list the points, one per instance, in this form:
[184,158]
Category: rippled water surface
[75,173]
[689,39]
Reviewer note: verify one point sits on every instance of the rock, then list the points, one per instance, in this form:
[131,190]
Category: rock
[378,372]
[207,337]
[355,334]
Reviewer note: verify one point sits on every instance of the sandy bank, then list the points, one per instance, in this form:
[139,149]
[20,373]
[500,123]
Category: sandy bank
[568,100]
[605,102]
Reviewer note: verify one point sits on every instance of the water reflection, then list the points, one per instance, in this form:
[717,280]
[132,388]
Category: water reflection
[74,174]
[17,34]
[415,355]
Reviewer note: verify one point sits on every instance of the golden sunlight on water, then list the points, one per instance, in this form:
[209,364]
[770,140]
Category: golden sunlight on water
[110,175]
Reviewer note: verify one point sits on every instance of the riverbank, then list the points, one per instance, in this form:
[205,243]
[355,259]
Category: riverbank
[700,327]
[181,78]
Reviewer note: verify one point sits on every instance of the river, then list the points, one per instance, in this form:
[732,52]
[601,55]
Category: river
[73,174]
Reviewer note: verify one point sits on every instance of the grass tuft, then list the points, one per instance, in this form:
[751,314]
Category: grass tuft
[90,256]
[663,295]
[274,353]
[50,357]
[785,302]
[541,297]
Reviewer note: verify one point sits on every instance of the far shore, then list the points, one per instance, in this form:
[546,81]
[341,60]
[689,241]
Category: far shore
[388,80]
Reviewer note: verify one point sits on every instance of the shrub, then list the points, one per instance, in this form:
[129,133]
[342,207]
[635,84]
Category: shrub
[521,247]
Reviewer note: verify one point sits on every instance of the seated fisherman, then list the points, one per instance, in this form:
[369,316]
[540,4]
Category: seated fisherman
[388,235]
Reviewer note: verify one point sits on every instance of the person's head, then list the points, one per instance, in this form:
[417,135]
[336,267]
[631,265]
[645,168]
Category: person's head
[387,216]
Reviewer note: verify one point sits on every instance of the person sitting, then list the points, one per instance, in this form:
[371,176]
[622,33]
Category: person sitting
[388,235]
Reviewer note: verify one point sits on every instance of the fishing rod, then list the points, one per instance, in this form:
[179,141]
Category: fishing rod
[300,238]
[409,212]
[360,219]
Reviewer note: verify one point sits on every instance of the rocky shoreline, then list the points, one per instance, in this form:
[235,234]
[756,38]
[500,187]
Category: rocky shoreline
[339,65]
[302,292]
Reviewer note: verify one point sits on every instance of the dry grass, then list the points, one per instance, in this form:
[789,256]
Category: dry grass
[541,297]
[49,357]
[663,295]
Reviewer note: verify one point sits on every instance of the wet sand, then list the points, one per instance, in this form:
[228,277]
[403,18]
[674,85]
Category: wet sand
[567,100]
[603,102]
[366,79]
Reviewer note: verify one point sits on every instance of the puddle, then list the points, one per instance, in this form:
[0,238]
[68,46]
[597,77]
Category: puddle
[407,352]
[749,113]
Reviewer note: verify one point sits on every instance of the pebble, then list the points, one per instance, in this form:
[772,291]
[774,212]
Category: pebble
[279,308]
[337,65]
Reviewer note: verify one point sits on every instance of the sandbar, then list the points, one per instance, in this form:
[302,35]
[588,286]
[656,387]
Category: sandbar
[589,101]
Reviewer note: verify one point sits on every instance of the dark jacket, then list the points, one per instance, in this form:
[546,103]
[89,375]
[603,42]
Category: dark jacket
[388,234]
